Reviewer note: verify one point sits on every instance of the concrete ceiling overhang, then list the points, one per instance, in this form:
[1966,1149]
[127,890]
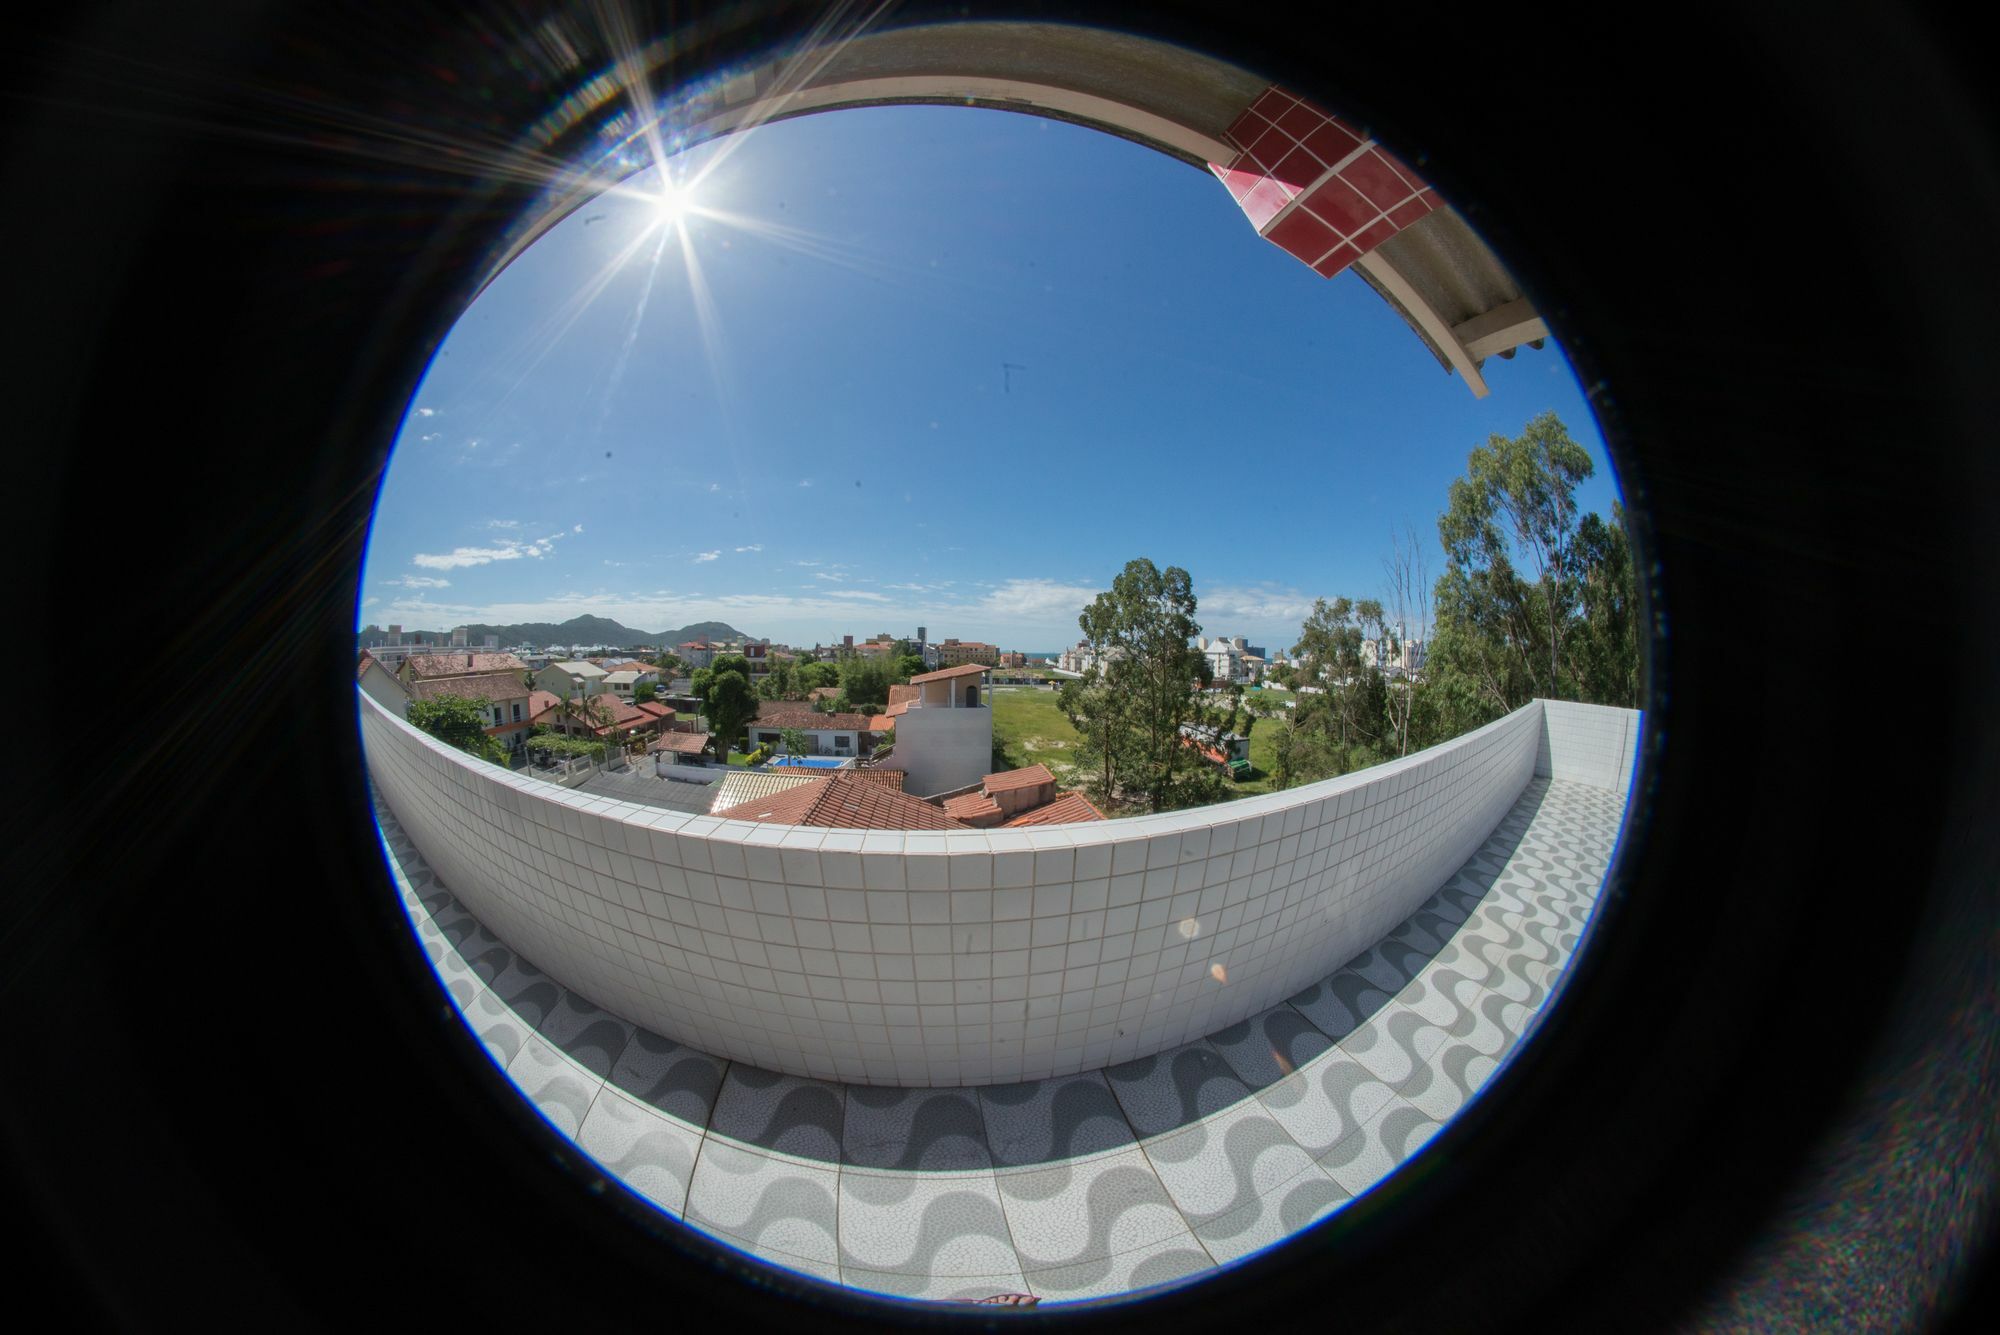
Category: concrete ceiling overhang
[1436,273]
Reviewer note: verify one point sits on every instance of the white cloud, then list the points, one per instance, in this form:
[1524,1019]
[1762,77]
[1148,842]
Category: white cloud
[416,582]
[509,550]
[808,563]
[427,412]
[861,594]
[707,556]
[577,529]
[715,486]
[831,579]
[1226,604]
[435,435]
[805,482]
[1036,600]
[753,547]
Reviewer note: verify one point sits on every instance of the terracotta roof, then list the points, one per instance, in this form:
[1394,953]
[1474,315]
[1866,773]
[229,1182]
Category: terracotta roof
[682,743]
[845,802]
[965,670]
[970,806]
[460,664]
[1008,780]
[748,785]
[904,693]
[890,778]
[361,664]
[774,714]
[882,723]
[1066,808]
[827,693]
[656,709]
[484,686]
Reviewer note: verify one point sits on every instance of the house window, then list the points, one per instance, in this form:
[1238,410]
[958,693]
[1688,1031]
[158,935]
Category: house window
[517,713]
[840,743]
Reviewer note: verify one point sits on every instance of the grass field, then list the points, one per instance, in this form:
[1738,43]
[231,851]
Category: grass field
[1031,729]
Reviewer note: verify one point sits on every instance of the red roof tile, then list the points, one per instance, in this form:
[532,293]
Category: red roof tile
[483,686]
[844,802]
[1065,809]
[1008,780]
[682,743]
[903,693]
[970,806]
[774,714]
[460,664]
[965,670]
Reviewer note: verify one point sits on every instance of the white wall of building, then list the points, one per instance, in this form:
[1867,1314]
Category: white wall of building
[946,958]
[1593,744]
[939,749]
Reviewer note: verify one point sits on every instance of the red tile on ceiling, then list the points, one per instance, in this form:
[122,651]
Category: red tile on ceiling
[1302,120]
[1410,210]
[1302,235]
[1264,203]
[1331,142]
[1373,235]
[1377,180]
[1298,170]
[1243,131]
[1340,257]
[1273,102]
[1236,180]
[1340,204]
[1403,169]
[1270,147]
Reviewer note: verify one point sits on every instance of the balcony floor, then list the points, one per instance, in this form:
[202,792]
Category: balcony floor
[1080,1186]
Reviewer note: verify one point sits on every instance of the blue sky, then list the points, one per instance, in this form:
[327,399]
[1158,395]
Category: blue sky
[932,366]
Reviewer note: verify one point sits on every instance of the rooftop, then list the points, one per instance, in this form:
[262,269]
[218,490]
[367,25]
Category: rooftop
[966,670]
[844,801]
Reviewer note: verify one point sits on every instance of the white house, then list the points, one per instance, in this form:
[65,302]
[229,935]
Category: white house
[944,734]
[622,682]
[573,677]
[826,734]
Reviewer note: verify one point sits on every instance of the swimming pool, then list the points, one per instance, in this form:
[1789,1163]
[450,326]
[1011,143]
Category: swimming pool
[809,762]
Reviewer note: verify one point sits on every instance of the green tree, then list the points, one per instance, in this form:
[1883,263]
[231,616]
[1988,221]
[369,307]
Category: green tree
[809,677]
[865,681]
[794,742]
[1146,621]
[457,721]
[1536,599]
[645,693]
[908,666]
[729,705]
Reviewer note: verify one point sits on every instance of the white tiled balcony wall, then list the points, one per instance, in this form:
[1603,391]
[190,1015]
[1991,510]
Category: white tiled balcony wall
[1593,744]
[952,958]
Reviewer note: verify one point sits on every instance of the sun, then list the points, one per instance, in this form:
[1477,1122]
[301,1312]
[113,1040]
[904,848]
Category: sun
[672,201]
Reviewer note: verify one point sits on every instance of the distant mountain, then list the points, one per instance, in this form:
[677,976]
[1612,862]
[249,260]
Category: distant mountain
[577,630]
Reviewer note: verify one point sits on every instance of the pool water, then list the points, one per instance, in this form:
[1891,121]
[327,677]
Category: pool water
[807,762]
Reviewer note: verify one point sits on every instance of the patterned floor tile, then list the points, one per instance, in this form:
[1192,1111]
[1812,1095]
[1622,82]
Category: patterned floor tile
[669,1078]
[1267,1047]
[1226,1163]
[1276,1214]
[1053,1121]
[1069,1214]
[557,1086]
[934,1288]
[651,1154]
[795,1117]
[1323,1104]
[592,1037]
[1159,1263]
[937,1224]
[1375,1151]
[770,1205]
[952,1195]
[1174,1089]
[915,1130]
